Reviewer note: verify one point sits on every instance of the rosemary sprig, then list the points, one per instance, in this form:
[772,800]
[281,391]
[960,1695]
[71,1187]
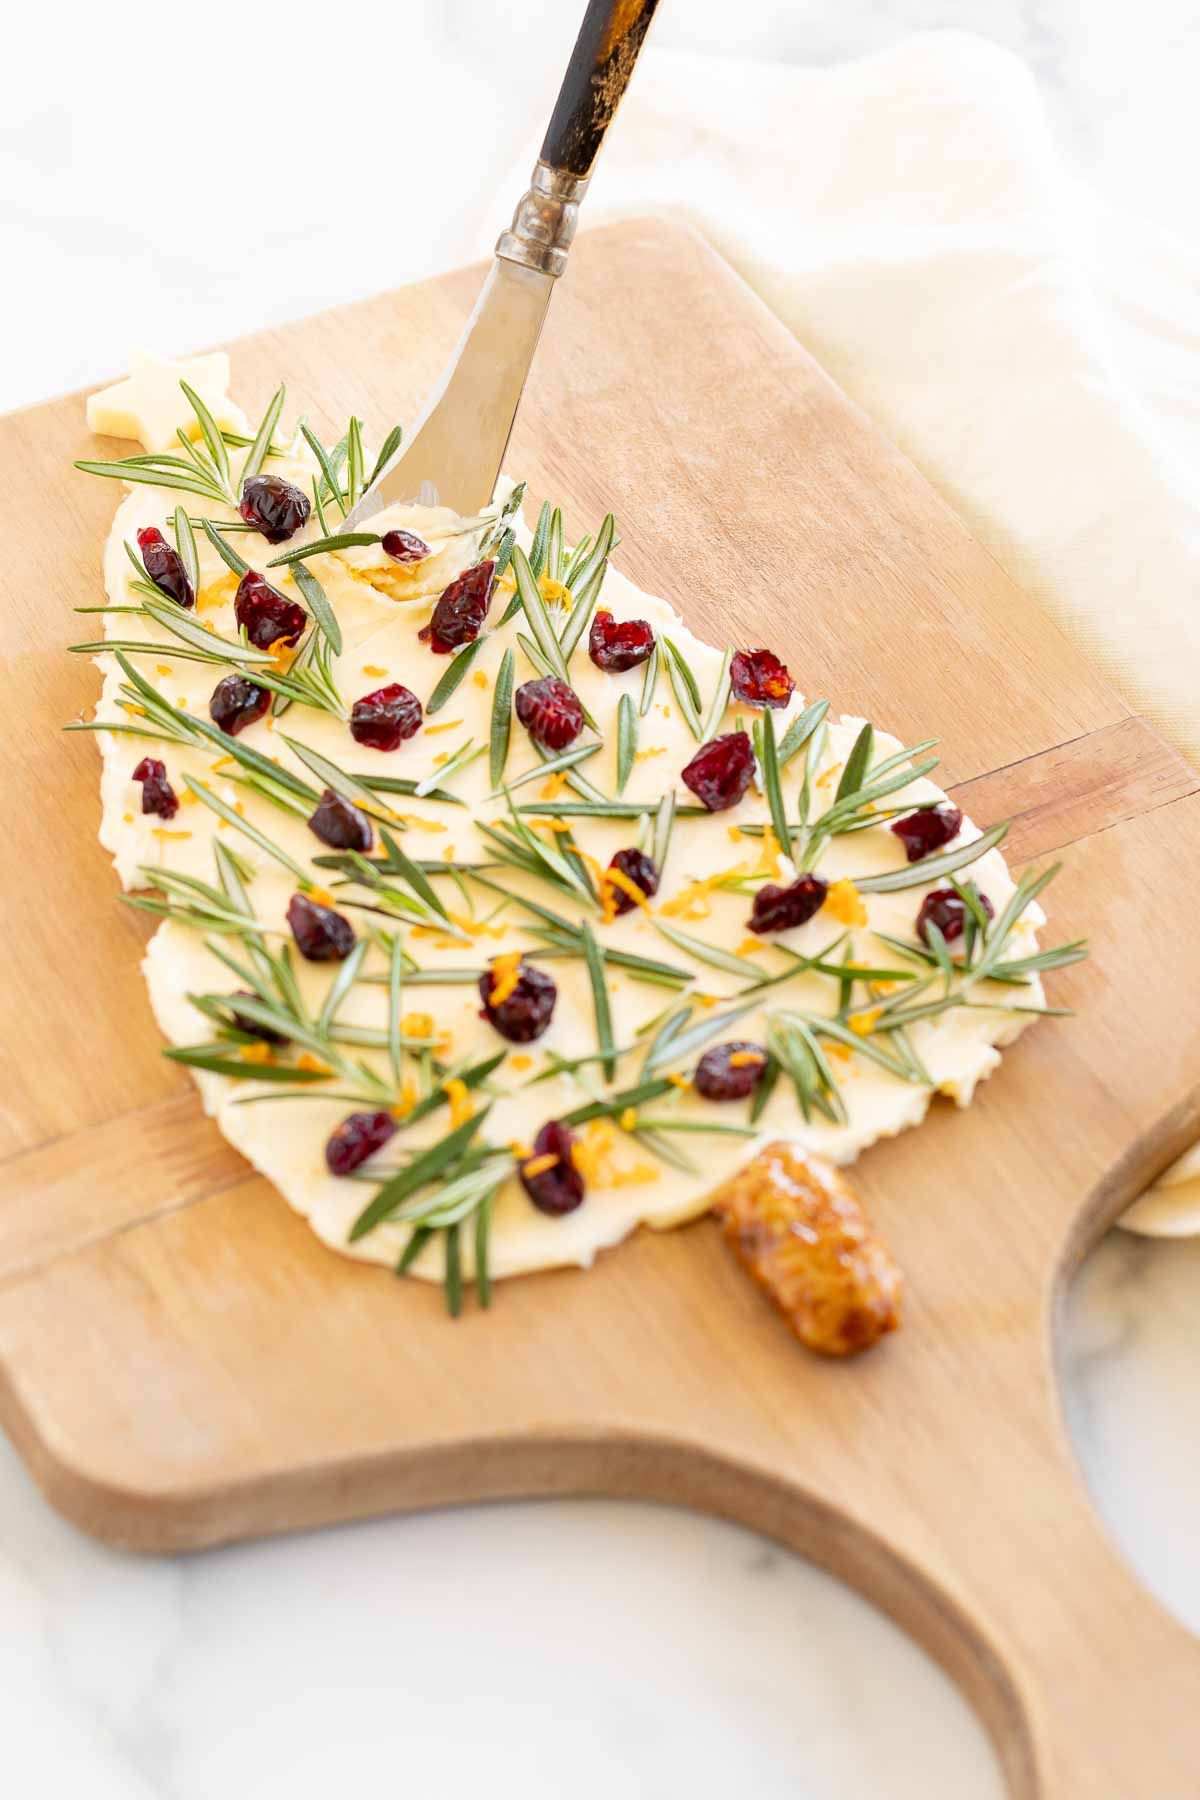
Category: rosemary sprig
[323,546]
[649,681]
[454,765]
[683,1044]
[720,700]
[553,765]
[328,469]
[427,1167]
[769,765]
[600,1003]
[215,804]
[712,954]
[454,673]
[684,686]
[501,726]
[610,809]
[857,763]
[931,868]
[664,825]
[800,731]
[318,605]
[210,431]
[627,737]
[233,561]
[543,631]
[584,578]
[257,454]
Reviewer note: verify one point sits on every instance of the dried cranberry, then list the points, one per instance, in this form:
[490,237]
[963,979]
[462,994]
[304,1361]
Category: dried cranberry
[358,1136]
[779,908]
[527,1011]
[614,646]
[384,718]
[460,612]
[340,825]
[639,868]
[760,679]
[158,796]
[251,1027]
[264,614]
[929,830]
[274,507]
[404,546]
[558,1189]
[321,934]
[729,1071]
[720,772]
[550,711]
[164,566]
[947,910]
[236,702]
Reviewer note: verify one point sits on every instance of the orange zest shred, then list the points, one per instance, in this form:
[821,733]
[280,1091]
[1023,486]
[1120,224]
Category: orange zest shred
[745,1059]
[506,975]
[131,706]
[749,946]
[554,591]
[442,725]
[320,896]
[522,1061]
[441,757]
[128,818]
[520,1150]
[692,902]
[255,1053]
[373,669]
[863,1024]
[654,750]
[593,1155]
[158,832]
[540,1165]
[610,881]
[628,1119]
[163,669]
[407,1101]
[459,1095]
[735,833]
[480,678]
[418,1025]
[312,1064]
[476,927]
[552,787]
[844,903]
[678,1080]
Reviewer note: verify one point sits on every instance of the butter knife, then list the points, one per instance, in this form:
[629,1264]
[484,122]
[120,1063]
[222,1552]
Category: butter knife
[455,451]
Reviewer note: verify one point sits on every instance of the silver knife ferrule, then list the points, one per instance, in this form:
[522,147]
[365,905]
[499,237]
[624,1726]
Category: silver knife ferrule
[544,222]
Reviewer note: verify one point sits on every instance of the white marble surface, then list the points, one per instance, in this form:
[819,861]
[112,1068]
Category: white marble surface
[590,1648]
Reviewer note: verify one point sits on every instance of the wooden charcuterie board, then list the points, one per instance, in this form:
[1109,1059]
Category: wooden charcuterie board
[182,1363]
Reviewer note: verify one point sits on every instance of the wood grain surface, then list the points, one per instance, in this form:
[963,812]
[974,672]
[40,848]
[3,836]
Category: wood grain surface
[182,1363]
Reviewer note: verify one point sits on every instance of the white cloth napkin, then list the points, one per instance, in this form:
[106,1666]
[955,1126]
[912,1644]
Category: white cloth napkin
[1037,354]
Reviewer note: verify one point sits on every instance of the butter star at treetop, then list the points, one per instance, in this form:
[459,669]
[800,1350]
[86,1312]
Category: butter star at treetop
[150,405]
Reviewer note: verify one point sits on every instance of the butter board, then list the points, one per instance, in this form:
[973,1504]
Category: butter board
[182,1364]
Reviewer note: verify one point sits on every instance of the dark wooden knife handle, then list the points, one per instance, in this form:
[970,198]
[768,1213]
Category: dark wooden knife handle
[597,75]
